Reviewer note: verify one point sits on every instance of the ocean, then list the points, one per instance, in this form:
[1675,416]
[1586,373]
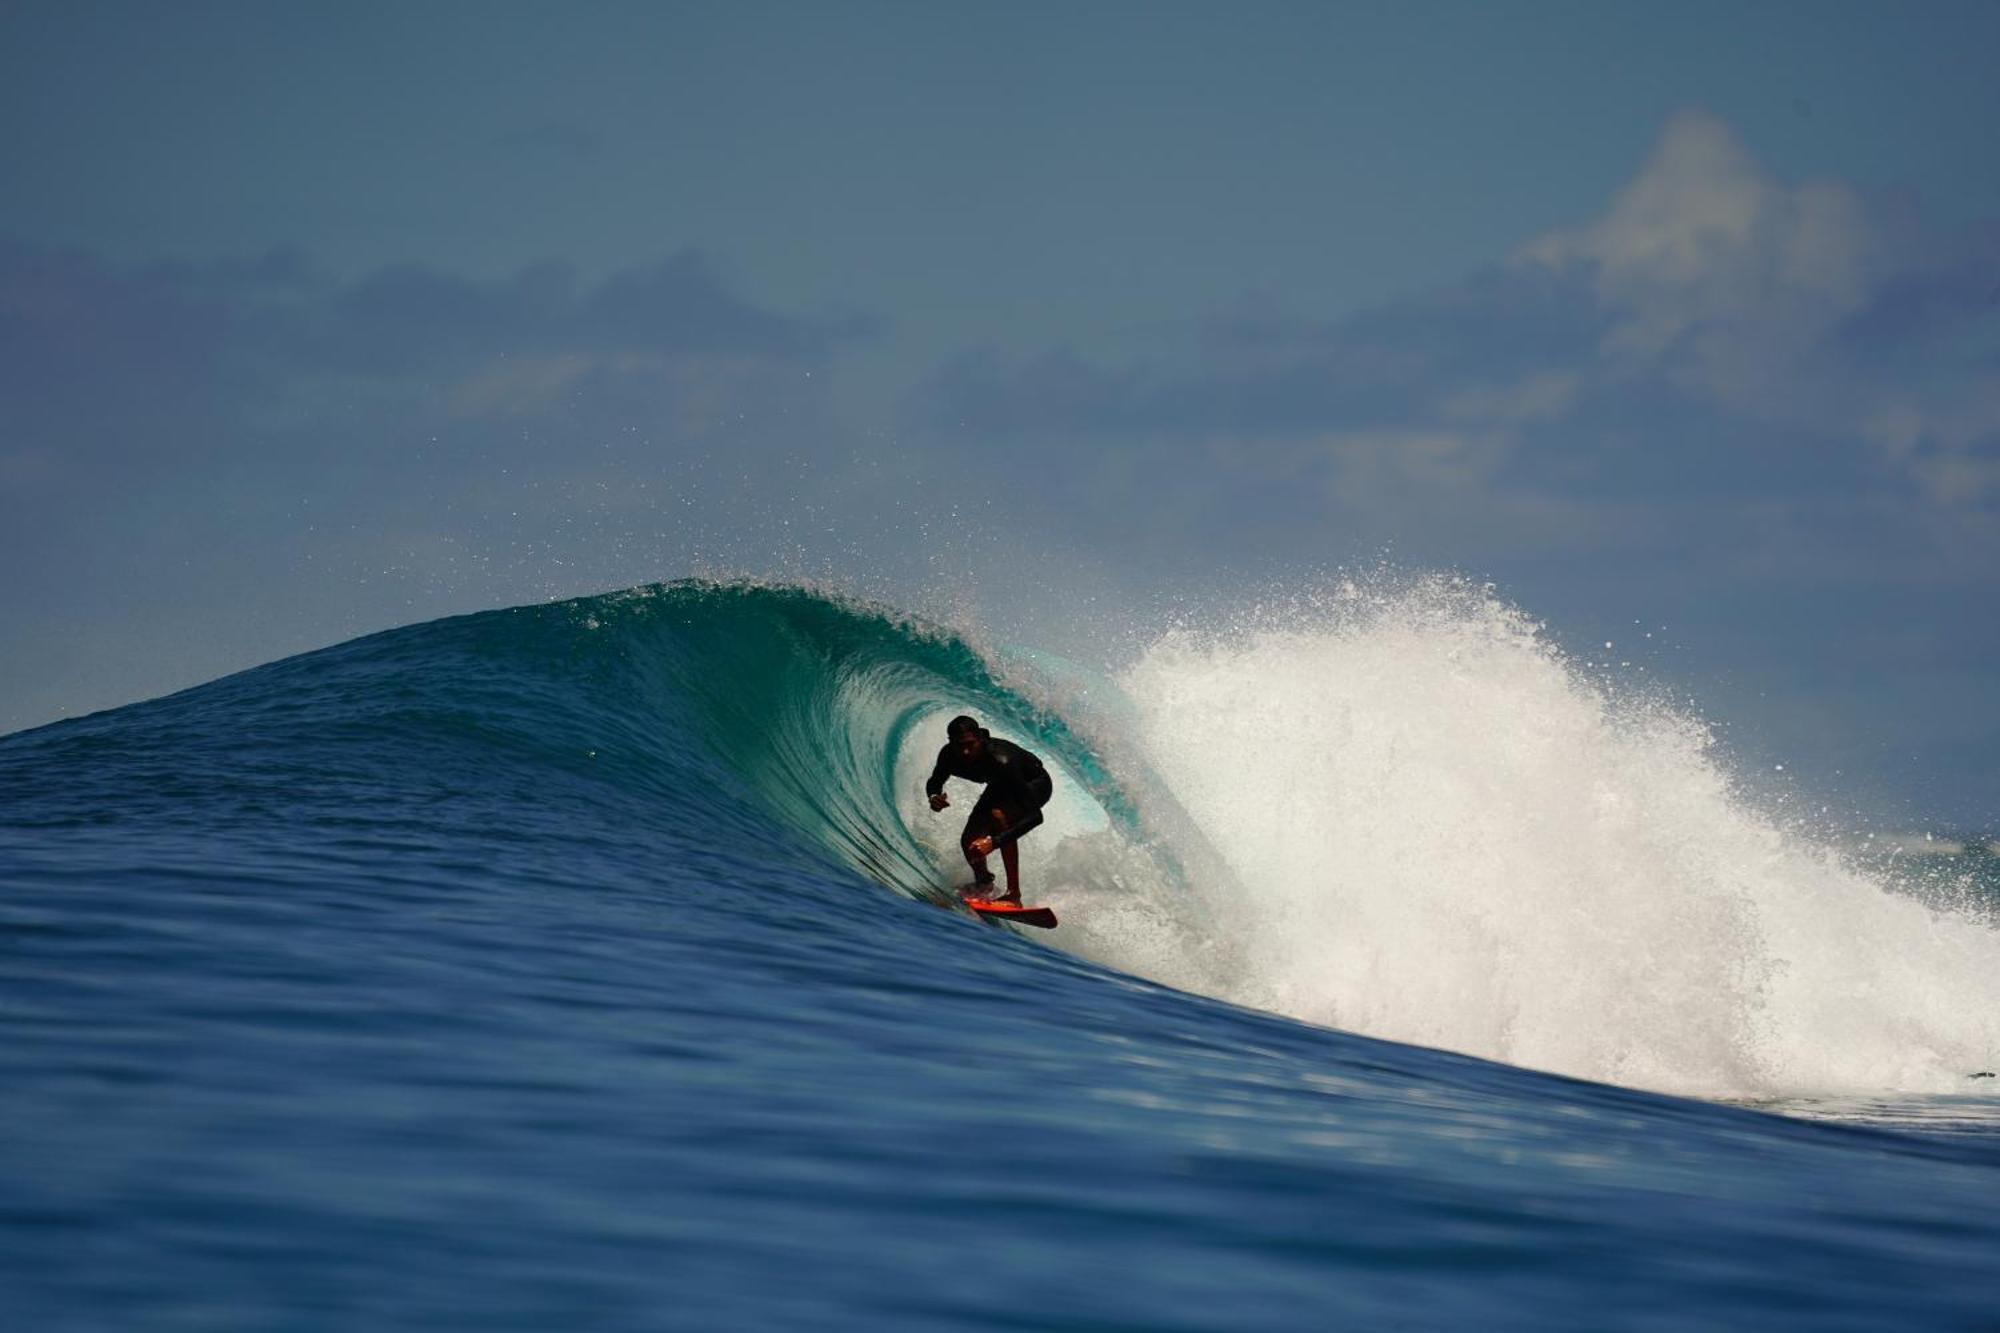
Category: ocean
[595,965]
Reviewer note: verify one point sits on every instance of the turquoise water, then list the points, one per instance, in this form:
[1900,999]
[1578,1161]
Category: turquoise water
[591,966]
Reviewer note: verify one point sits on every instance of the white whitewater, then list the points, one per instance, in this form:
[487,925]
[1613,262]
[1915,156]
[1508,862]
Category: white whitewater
[1442,831]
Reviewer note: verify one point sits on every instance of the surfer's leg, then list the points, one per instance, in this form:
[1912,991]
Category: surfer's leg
[1010,854]
[977,825]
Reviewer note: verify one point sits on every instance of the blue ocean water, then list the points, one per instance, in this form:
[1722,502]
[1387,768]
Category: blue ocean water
[592,966]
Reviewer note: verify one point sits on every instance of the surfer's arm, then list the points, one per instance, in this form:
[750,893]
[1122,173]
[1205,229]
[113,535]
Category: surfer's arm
[935,787]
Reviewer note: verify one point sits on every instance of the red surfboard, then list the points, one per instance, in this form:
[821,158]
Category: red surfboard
[1044,917]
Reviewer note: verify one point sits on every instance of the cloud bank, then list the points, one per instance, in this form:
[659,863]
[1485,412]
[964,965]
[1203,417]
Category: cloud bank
[116,362]
[1714,328]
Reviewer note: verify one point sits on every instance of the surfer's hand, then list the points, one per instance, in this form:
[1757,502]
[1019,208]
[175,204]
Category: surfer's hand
[981,846]
[940,801]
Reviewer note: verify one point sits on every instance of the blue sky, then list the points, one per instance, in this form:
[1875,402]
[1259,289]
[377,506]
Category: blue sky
[316,319]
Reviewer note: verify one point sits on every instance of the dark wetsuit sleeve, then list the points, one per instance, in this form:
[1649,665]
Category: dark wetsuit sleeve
[939,773]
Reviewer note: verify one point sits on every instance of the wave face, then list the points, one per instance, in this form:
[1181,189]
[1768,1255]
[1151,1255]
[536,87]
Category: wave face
[556,966]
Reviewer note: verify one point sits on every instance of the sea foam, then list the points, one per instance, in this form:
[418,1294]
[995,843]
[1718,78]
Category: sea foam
[1441,829]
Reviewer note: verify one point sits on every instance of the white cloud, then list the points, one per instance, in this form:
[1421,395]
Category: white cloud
[1714,270]
[1737,288]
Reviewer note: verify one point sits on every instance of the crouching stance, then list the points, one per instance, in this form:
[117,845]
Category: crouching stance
[1017,787]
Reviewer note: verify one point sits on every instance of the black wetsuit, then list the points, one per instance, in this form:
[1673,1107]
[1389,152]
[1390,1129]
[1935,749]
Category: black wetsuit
[1016,783]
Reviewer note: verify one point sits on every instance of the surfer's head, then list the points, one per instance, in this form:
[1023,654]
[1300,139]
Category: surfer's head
[966,734]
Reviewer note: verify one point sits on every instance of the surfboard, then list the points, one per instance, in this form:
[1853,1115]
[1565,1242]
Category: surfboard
[1044,917]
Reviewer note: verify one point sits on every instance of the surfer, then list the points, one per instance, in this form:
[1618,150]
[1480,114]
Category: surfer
[1017,787]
